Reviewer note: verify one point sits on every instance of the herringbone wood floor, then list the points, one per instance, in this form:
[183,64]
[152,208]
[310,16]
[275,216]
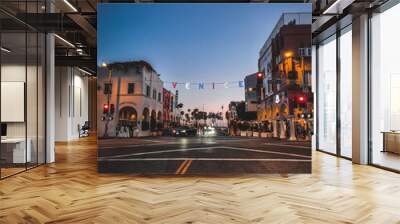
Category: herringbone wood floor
[71,191]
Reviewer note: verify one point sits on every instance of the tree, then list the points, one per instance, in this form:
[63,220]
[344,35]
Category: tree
[187,116]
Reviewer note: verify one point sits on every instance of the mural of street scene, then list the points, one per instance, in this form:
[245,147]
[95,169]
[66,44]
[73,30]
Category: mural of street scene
[191,98]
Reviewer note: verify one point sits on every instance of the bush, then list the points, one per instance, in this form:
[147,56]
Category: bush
[244,126]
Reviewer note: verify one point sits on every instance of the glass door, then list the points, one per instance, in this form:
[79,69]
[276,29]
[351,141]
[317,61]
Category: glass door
[326,95]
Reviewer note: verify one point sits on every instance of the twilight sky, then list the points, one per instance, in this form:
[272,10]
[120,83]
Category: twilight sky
[191,43]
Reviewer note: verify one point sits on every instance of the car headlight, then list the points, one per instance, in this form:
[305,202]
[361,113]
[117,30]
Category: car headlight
[183,131]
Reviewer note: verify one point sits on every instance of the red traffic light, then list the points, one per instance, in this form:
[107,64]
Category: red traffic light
[105,109]
[259,75]
[301,99]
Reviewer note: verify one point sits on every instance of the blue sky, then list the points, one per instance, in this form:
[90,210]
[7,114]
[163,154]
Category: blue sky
[191,42]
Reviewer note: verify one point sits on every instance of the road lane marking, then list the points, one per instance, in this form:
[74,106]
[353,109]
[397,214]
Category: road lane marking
[169,143]
[157,152]
[186,167]
[289,145]
[178,171]
[137,145]
[211,159]
[265,151]
[202,148]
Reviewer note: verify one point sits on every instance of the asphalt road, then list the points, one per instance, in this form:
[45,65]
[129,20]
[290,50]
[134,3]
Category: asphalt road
[203,156]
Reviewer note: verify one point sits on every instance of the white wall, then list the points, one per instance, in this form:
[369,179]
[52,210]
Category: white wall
[314,90]
[71,102]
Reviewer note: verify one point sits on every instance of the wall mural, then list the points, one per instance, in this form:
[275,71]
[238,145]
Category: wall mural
[190,97]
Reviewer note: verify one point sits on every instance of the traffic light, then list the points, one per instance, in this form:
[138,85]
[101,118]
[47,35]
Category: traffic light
[301,99]
[112,108]
[105,108]
[260,75]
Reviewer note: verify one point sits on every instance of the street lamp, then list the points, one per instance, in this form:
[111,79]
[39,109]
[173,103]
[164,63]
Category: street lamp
[288,54]
[108,115]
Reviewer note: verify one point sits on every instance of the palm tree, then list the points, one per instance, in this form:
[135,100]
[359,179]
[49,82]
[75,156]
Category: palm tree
[187,117]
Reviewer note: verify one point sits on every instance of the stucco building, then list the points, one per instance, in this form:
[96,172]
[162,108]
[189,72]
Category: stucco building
[130,99]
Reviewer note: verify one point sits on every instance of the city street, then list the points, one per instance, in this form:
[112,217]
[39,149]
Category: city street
[203,156]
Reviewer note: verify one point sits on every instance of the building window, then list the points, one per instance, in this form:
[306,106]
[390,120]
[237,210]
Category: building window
[131,88]
[385,89]
[107,88]
[159,97]
[327,95]
[154,94]
[345,94]
[305,52]
[172,103]
[147,90]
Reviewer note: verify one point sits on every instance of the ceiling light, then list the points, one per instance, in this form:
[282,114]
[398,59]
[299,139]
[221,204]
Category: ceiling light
[84,71]
[64,40]
[70,5]
[337,7]
[5,50]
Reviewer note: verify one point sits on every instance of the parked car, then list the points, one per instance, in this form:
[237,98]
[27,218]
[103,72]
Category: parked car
[184,131]
[222,131]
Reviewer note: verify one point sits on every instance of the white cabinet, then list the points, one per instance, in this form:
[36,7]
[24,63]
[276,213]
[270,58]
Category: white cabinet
[19,155]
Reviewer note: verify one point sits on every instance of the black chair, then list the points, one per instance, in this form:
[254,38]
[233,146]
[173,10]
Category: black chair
[84,130]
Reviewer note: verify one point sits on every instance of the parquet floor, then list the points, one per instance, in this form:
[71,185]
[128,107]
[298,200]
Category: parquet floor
[71,191]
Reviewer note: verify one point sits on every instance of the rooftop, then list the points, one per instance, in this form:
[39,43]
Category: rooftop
[295,18]
[123,65]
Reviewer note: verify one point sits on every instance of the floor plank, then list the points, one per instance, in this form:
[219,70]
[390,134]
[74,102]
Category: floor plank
[71,191]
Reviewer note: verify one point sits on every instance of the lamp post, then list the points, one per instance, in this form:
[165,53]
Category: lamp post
[108,116]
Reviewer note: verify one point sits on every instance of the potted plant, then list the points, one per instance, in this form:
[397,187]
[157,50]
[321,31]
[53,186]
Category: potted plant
[159,128]
[249,130]
[243,128]
[145,128]
[255,130]
[264,131]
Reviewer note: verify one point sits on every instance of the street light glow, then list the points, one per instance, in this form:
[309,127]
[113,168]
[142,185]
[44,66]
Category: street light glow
[288,54]
[104,65]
